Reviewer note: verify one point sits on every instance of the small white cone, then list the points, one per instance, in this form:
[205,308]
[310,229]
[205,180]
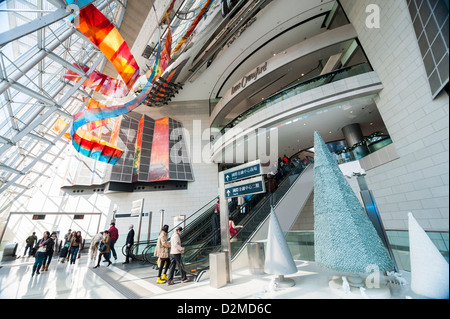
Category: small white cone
[279,260]
[429,269]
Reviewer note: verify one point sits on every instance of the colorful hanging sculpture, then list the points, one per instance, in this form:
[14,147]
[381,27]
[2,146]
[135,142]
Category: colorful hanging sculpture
[102,33]
[99,82]
[94,25]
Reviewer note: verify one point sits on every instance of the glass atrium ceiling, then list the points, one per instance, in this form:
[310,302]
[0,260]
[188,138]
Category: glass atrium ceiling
[33,92]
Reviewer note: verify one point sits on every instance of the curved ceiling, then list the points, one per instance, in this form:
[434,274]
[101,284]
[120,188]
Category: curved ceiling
[255,44]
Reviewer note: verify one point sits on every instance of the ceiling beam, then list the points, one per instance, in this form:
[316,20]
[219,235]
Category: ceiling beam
[10,169]
[32,93]
[33,26]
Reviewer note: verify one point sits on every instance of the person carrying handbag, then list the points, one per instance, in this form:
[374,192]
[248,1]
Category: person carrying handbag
[41,253]
[65,251]
[104,248]
[162,252]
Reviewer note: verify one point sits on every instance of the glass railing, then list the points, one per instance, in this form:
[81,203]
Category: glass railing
[370,144]
[399,242]
[298,89]
[301,245]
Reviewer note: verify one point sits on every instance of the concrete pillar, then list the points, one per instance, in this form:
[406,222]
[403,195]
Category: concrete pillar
[353,134]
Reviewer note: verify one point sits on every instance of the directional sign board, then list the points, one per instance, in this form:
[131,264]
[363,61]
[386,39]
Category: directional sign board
[136,207]
[243,171]
[246,187]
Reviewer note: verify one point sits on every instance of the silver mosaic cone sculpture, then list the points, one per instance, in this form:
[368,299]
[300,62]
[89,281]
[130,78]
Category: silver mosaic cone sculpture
[345,239]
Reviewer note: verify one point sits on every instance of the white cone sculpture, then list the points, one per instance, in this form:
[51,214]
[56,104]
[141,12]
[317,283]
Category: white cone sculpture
[429,269]
[279,260]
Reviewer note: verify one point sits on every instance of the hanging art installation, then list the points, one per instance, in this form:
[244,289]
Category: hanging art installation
[102,33]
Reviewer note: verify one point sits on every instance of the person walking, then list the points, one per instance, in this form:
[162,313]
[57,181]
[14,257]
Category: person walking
[40,253]
[30,244]
[64,253]
[215,222]
[114,233]
[129,243]
[75,246]
[104,248]
[162,252]
[68,244]
[175,257]
[94,245]
[50,250]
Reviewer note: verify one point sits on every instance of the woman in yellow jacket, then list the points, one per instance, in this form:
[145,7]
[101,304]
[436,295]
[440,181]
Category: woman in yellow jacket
[105,252]
[162,252]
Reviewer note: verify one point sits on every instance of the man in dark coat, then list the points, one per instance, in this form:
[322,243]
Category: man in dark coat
[129,243]
[215,222]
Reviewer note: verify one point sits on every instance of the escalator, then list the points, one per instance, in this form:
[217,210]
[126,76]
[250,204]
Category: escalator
[196,257]
[195,231]
[197,237]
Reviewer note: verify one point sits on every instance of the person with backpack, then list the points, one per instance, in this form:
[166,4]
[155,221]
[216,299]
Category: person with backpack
[30,243]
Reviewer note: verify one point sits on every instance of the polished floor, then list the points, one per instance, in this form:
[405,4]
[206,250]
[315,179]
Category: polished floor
[136,281]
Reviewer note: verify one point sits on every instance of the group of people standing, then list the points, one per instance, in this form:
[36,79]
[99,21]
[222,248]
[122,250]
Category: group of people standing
[169,254]
[44,248]
[41,249]
[73,244]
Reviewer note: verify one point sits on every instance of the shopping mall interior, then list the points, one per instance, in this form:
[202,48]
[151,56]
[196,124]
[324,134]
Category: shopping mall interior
[302,146]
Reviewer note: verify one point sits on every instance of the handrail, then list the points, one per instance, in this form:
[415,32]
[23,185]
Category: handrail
[148,253]
[194,250]
[193,219]
[283,189]
[297,89]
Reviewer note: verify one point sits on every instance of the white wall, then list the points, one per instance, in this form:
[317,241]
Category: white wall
[419,126]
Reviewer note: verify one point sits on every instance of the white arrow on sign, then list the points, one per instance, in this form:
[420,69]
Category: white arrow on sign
[228,192]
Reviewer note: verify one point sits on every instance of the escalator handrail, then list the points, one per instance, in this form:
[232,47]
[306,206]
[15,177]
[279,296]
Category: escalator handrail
[202,243]
[201,246]
[151,242]
[237,253]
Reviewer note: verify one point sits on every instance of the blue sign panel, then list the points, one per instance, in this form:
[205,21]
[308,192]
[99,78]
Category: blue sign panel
[243,173]
[245,189]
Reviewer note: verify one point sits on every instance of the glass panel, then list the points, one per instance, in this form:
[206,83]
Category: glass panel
[298,89]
